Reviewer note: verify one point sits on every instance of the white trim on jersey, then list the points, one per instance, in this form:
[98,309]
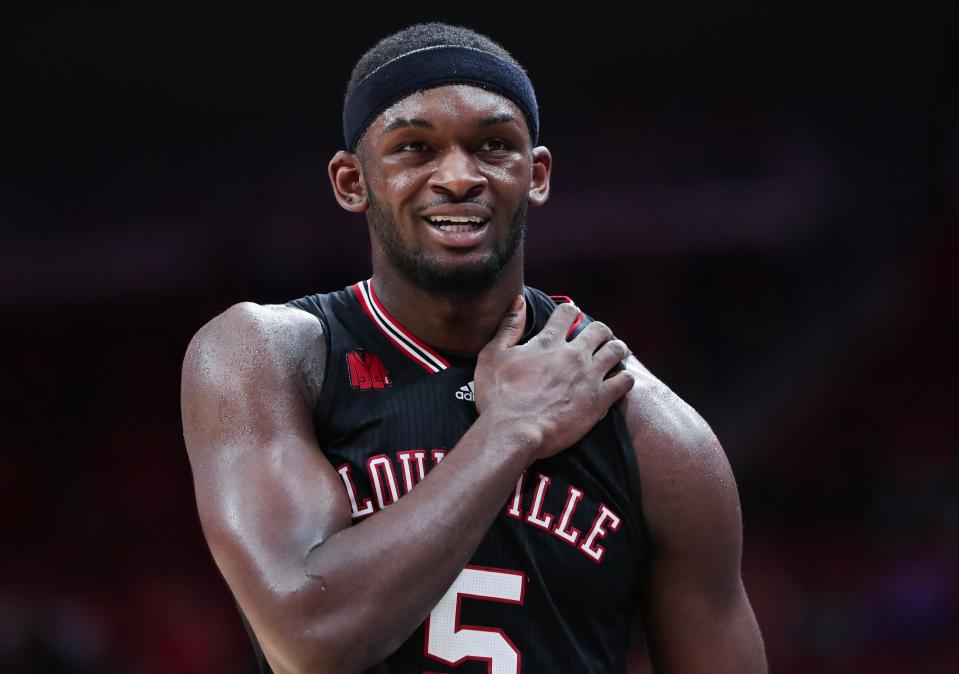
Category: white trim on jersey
[412,347]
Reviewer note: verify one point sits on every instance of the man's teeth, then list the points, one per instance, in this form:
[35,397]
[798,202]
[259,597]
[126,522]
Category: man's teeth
[446,219]
[456,223]
[456,228]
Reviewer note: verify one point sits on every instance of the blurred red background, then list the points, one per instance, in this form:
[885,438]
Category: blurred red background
[762,203]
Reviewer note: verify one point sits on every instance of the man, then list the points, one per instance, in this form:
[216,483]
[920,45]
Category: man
[380,497]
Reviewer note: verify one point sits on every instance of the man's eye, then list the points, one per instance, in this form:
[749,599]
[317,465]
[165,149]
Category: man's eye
[495,145]
[414,146]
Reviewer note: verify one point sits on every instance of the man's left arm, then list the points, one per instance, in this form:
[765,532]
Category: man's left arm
[696,613]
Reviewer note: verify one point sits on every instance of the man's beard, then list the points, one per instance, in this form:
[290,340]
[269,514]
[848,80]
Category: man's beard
[426,271]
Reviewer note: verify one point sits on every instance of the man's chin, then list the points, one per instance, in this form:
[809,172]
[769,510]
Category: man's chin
[460,277]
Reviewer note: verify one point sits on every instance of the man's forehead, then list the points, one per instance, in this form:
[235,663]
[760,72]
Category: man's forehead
[459,101]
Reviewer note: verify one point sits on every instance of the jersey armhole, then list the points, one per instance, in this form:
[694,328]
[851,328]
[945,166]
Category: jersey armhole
[314,307]
[633,482]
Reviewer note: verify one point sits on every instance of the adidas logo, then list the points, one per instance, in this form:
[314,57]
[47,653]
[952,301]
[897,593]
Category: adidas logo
[465,392]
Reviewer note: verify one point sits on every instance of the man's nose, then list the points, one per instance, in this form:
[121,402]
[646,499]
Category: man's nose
[457,175]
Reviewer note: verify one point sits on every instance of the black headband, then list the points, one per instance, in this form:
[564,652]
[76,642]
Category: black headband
[433,67]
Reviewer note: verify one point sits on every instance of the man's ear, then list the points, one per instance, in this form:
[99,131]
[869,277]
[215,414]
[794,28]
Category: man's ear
[542,166]
[346,177]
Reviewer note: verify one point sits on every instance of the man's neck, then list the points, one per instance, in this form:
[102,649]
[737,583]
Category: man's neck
[445,322]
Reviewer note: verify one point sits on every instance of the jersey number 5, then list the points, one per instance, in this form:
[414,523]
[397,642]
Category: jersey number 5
[450,643]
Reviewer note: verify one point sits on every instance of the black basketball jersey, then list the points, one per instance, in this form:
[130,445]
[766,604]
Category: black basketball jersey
[553,585]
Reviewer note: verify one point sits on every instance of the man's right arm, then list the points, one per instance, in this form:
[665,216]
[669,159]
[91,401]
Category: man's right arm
[315,589]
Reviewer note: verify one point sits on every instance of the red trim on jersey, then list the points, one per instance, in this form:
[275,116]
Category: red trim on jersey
[562,299]
[414,338]
[369,312]
[572,328]
[409,345]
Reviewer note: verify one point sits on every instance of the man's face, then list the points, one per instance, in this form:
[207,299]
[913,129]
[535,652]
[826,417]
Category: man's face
[447,173]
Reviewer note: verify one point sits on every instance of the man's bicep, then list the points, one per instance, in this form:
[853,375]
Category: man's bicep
[692,628]
[265,492]
[695,608]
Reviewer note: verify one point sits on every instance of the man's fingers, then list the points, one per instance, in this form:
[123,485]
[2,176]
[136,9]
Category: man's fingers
[559,323]
[616,387]
[511,326]
[594,336]
[609,354]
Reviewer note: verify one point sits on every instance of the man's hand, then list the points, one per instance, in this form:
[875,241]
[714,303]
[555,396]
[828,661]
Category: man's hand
[556,390]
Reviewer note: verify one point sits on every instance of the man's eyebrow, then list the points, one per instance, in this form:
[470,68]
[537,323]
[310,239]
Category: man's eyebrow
[403,122]
[502,118]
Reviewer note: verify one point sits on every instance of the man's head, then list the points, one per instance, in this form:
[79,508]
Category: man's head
[440,124]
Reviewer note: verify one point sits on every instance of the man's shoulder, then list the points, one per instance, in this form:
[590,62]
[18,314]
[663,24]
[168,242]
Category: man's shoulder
[683,469]
[252,340]
[280,325]
[659,417]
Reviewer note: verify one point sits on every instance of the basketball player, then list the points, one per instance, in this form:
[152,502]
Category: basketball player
[438,469]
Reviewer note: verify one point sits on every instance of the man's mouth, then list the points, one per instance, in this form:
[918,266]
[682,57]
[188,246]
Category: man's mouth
[456,224]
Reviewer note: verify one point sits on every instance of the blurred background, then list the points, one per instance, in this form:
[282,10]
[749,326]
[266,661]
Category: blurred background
[762,201]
